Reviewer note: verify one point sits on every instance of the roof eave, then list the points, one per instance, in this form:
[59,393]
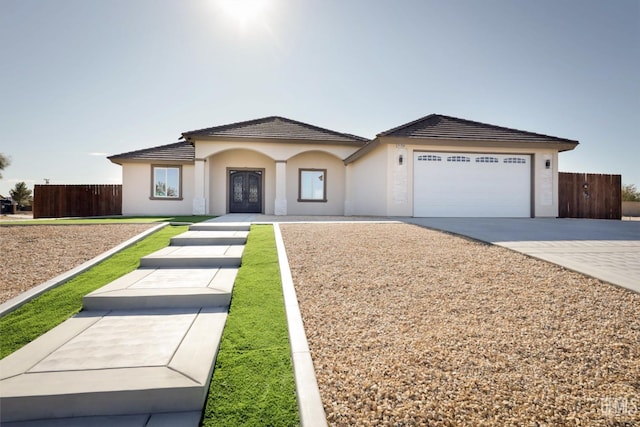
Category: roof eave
[362,151]
[560,145]
[155,161]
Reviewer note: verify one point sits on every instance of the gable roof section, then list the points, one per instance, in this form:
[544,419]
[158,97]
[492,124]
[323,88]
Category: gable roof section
[464,132]
[177,152]
[447,127]
[275,127]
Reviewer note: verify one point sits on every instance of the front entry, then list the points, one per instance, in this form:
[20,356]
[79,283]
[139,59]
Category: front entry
[245,191]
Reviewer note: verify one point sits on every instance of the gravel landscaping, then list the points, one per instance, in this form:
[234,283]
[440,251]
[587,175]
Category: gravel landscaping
[409,326]
[33,254]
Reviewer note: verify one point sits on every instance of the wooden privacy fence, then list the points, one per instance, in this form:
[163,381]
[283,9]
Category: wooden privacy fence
[57,201]
[589,195]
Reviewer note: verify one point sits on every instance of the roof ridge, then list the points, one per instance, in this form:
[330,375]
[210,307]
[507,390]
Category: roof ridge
[502,127]
[471,122]
[272,118]
[386,132]
[220,127]
[308,125]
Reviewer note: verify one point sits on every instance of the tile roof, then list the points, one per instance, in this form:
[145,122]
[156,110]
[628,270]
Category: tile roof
[440,126]
[179,151]
[275,127]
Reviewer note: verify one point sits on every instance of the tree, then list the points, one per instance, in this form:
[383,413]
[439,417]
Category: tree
[4,163]
[630,193]
[21,194]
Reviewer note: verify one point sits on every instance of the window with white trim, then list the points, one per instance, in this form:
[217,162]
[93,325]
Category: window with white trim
[312,185]
[166,182]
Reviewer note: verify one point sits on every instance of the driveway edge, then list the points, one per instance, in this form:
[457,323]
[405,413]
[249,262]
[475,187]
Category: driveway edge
[32,293]
[309,401]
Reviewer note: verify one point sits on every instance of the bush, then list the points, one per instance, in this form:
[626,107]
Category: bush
[630,193]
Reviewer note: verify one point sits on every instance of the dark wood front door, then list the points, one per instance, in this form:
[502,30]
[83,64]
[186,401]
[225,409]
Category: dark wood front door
[245,191]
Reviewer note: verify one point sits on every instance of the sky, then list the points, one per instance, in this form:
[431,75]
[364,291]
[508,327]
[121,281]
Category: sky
[84,79]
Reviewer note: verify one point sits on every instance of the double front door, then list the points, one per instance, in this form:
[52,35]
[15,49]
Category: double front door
[245,191]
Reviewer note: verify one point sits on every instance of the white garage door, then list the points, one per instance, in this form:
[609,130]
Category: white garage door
[471,185]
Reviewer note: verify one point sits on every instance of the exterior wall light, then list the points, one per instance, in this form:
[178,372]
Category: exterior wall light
[400,159]
[547,164]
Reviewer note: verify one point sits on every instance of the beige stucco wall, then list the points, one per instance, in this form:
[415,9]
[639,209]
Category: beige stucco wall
[367,184]
[136,192]
[238,159]
[335,181]
[271,149]
[545,180]
[380,171]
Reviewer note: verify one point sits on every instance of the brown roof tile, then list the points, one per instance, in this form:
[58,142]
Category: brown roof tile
[179,151]
[440,126]
[274,127]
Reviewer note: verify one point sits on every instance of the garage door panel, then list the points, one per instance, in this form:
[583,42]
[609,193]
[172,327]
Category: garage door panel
[494,185]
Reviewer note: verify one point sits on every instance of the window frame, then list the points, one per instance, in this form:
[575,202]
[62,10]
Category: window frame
[324,187]
[154,167]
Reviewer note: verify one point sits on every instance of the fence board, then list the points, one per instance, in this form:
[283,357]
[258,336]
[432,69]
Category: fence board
[589,195]
[57,201]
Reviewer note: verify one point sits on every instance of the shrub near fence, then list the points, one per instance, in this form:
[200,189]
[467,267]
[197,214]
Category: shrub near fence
[589,195]
[57,201]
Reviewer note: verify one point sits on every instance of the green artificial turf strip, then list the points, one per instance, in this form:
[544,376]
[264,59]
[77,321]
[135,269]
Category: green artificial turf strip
[43,313]
[110,220]
[253,380]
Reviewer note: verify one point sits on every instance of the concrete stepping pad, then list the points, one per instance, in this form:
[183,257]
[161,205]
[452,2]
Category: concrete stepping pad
[220,226]
[165,288]
[170,419]
[203,238]
[114,363]
[194,257]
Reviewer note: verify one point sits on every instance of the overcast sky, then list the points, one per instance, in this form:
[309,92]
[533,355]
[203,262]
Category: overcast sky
[81,79]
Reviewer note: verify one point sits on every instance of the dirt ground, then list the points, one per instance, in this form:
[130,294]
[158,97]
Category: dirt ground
[409,326]
[32,254]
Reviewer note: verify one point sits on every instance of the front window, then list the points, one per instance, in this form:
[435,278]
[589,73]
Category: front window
[166,182]
[312,185]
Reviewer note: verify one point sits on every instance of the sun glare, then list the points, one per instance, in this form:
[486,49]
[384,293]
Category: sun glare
[243,12]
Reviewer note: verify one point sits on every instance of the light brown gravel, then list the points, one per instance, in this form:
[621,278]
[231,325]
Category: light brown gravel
[409,326]
[32,254]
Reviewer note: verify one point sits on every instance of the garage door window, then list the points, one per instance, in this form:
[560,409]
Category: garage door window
[462,159]
[486,160]
[515,160]
[429,158]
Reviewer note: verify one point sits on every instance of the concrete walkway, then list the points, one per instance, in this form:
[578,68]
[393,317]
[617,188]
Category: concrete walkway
[142,351]
[605,249]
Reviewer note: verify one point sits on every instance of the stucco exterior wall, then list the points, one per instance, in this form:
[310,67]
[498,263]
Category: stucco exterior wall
[367,184]
[399,178]
[136,192]
[218,166]
[274,150]
[335,181]
[545,184]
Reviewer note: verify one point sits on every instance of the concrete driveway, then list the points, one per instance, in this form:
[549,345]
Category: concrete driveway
[605,249]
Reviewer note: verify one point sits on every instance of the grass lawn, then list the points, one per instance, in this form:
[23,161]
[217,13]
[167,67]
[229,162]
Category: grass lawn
[56,305]
[253,380]
[110,220]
